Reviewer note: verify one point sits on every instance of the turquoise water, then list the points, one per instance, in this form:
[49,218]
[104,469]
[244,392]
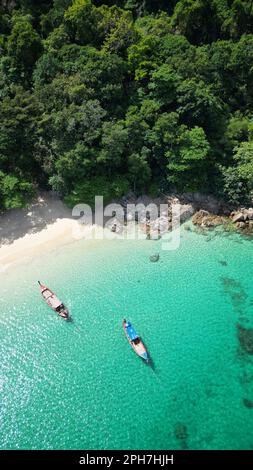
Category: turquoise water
[80,386]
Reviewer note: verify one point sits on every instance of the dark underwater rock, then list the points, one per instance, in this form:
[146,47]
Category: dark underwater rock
[237,294]
[223,263]
[181,432]
[248,403]
[245,336]
[154,258]
[231,283]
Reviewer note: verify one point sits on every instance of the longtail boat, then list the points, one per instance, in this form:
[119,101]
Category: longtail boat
[53,302]
[135,340]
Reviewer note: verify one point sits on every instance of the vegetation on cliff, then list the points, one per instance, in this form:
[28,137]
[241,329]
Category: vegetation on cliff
[102,96]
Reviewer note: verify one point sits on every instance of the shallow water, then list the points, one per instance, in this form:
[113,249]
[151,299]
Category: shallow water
[79,385]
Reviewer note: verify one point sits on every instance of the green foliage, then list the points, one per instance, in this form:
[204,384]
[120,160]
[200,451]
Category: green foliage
[163,85]
[114,143]
[203,20]
[24,44]
[56,39]
[244,158]
[143,56]
[46,69]
[234,189]
[81,21]
[17,131]
[98,96]
[14,192]
[86,190]
[239,129]
[121,35]
[57,184]
[187,163]
[198,105]
[238,179]
[179,151]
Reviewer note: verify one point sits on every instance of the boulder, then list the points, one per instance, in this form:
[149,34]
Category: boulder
[238,217]
[245,337]
[181,432]
[205,219]
[115,226]
[212,221]
[248,403]
[241,225]
[199,216]
[162,224]
[154,258]
[249,213]
[186,212]
[171,199]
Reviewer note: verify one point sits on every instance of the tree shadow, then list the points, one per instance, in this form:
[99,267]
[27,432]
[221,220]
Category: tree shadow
[45,210]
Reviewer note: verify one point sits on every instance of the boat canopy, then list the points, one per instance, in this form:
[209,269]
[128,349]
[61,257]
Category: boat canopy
[131,332]
[55,303]
[51,299]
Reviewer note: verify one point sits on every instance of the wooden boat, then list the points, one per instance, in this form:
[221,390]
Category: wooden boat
[53,302]
[135,340]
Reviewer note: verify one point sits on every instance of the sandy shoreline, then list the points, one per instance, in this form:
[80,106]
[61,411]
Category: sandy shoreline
[26,233]
[31,245]
[45,225]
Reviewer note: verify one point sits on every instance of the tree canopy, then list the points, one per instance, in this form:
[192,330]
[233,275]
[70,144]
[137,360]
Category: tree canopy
[103,96]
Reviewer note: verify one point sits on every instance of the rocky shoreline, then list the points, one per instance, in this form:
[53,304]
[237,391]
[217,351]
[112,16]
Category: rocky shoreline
[205,211]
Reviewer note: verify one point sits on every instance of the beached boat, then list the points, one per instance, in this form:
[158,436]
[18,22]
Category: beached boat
[135,340]
[53,302]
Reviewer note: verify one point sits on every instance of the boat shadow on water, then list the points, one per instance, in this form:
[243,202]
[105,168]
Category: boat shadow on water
[150,363]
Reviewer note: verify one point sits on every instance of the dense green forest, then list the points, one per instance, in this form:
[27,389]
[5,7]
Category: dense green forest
[98,97]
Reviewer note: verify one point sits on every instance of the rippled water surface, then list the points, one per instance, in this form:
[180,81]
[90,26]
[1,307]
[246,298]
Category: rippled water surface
[79,385]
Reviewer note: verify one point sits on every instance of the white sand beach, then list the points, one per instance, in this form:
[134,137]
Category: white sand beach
[24,233]
[45,225]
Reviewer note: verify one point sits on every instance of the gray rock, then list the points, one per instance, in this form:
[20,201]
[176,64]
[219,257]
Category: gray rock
[249,213]
[154,258]
[186,212]
[161,223]
[115,226]
[238,217]
[241,225]
[199,216]
[248,403]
